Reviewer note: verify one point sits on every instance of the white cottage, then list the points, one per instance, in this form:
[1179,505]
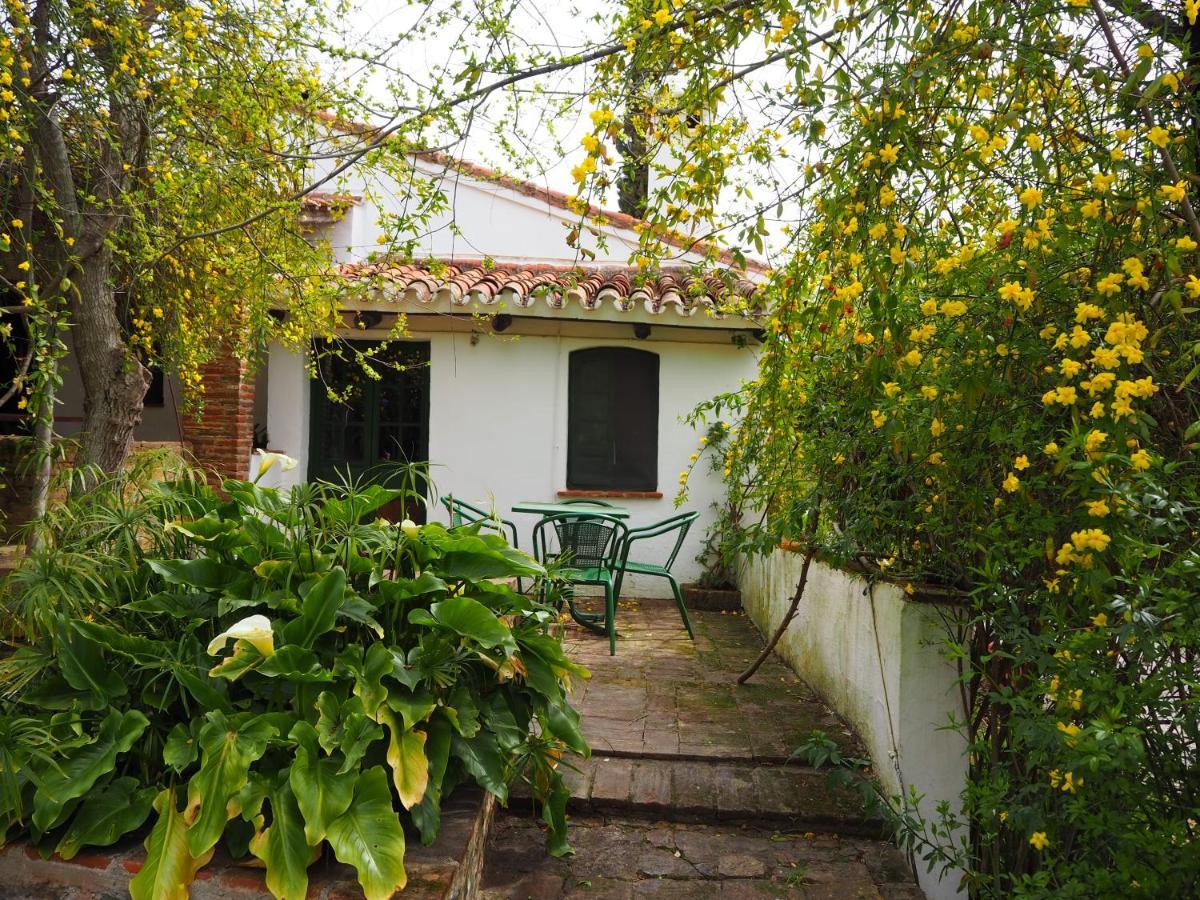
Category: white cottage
[573,384]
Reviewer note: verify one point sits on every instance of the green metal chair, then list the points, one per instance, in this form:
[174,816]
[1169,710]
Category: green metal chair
[584,501]
[681,523]
[463,513]
[589,546]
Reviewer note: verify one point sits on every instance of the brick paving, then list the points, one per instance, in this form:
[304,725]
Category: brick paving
[689,792]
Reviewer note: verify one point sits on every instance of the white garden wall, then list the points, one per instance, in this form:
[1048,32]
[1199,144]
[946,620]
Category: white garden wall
[498,426]
[876,657]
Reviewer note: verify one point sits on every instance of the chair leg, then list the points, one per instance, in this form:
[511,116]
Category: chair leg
[610,617]
[687,623]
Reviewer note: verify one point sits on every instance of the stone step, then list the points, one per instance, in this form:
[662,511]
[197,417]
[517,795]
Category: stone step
[708,792]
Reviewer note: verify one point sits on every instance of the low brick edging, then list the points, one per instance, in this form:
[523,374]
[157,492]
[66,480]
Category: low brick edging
[450,869]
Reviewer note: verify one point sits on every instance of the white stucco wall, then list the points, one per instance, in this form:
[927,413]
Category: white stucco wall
[876,657]
[498,426]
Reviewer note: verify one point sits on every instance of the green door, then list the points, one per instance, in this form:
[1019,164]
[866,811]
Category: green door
[377,422]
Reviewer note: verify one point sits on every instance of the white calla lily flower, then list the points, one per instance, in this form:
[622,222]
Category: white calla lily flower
[267,459]
[255,629]
[410,528]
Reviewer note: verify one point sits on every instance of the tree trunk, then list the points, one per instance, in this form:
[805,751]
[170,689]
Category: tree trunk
[114,381]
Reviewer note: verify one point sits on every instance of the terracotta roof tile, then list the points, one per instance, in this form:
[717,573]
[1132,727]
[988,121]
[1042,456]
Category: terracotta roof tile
[520,286]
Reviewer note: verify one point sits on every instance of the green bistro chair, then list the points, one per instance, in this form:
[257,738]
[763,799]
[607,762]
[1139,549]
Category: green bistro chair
[589,545]
[680,523]
[463,513]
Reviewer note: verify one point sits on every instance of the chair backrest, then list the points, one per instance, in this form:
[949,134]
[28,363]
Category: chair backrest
[587,501]
[680,523]
[584,541]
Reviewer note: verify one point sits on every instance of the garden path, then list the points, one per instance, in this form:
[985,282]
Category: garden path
[689,792]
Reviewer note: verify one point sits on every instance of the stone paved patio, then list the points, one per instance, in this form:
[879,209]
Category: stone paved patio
[689,793]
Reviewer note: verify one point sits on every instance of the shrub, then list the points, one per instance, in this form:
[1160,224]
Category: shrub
[272,669]
[979,371]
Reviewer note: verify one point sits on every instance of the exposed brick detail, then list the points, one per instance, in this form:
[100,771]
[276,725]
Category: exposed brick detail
[222,436]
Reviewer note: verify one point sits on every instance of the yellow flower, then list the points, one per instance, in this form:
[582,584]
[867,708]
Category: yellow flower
[889,152]
[662,17]
[1051,449]
[1173,192]
[1140,460]
[1094,441]
[590,143]
[1145,51]
[912,357]
[877,418]
[1021,463]
[1097,508]
[1090,539]
[936,428]
[1030,197]
[891,388]
[1034,141]
[1012,483]
[17,223]
[1100,620]
[887,196]
[1186,244]
[1091,209]
[1159,136]
[1039,840]
[878,231]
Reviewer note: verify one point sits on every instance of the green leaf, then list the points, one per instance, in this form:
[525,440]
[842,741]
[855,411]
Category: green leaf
[562,721]
[322,793]
[170,866]
[319,611]
[227,752]
[204,573]
[83,666]
[342,725]
[75,774]
[245,656]
[181,749]
[117,809]
[369,837]
[472,619]
[427,815]
[482,758]
[463,711]
[406,756]
[295,664]
[282,845]
[414,706]
[369,670]
[554,814]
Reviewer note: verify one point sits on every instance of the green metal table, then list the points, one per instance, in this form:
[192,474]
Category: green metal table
[565,509]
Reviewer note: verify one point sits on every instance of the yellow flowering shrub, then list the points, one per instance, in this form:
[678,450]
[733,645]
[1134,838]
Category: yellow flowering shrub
[1000,401]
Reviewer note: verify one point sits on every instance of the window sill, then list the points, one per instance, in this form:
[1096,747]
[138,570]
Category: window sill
[615,495]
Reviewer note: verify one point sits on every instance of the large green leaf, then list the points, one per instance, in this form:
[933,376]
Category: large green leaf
[294,664]
[73,775]
[369,837]
[342,725]
[227,750]
[282,845]
[322,792]
[414,706]
[170,866]
[116,809]
[481,757]
[562,720]
[477,556]
[369,669]
[472,619]
[319,611]
[82,663]
[204,573]
[406,756]
[427,815]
